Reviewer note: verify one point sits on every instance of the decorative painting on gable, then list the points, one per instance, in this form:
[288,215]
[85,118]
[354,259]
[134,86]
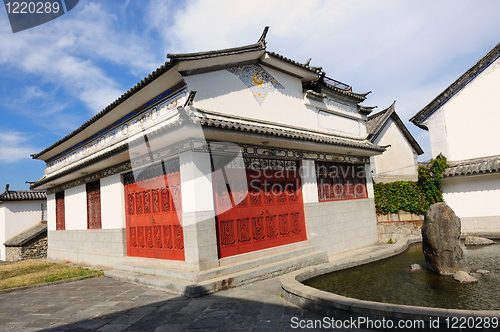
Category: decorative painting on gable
[258,80]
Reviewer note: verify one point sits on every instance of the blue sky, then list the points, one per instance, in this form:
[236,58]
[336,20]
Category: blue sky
[56,76]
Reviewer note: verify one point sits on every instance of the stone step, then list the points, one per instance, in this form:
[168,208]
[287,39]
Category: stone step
[190,288]
[229,265]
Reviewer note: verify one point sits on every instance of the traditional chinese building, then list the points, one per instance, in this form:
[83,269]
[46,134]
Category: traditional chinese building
[399,161]
[463,123]
[217,163]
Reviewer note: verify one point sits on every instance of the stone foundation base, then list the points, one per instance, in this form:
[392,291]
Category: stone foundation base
[395,226]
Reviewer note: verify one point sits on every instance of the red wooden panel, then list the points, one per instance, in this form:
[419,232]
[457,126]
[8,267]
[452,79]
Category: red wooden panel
[264,210]
[60,211]
[93,205]
[153,216]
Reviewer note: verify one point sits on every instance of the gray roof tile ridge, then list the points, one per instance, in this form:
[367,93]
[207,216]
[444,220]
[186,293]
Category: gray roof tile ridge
[315,70]
[27,235]
[23,195]
[473,166]
[456,86]
[264,127]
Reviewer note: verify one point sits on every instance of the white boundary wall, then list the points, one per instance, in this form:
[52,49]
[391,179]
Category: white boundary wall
[16,217]
[475,199]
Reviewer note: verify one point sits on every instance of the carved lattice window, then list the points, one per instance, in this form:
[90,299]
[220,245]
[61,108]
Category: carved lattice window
[60,212]
[94,205]
[339,181]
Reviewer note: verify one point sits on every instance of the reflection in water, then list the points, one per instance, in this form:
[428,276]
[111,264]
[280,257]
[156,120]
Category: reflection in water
[392,281]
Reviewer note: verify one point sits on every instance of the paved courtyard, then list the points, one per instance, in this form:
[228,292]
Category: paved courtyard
[105,304]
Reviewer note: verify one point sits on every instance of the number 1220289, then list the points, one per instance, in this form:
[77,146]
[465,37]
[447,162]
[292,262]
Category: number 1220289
[32,7]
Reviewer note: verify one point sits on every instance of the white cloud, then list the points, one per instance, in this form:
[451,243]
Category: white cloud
[13,148]
[72,52]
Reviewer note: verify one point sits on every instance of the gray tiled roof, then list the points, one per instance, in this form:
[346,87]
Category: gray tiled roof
[316,87]
[225,122]
[455,87]
[475,166]
[23,195]
[377,121]
[27,235]
[366,109]
[316,70]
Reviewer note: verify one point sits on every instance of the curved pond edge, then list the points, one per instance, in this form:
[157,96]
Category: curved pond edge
[344,308]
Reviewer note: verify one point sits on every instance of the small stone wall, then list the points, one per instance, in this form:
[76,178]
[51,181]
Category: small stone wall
[36,248]
[396,226]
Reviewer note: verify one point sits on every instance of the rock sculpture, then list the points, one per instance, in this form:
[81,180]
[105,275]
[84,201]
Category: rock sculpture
[441,240]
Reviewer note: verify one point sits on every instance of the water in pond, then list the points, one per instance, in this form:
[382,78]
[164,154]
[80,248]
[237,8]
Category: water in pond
[392,281]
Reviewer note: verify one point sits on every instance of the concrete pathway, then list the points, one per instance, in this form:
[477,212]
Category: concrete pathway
[105,304]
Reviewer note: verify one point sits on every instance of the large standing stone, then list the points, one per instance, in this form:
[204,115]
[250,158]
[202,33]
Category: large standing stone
[441,240]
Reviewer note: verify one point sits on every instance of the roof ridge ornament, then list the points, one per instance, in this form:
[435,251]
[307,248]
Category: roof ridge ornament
[262,38]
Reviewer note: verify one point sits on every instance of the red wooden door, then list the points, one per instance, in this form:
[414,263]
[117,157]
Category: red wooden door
[262,210]
[153,216]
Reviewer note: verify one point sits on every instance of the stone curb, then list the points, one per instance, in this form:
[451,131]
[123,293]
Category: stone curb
[65,281]
[333,305]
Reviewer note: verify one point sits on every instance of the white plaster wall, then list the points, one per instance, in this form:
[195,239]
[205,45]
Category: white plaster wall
[473,196]
[75,205]
[198,217]
[471,118]
[438,134]
[309,183]
[399,161]
[229,95]
[2,231]
[112,202]
[369,181]
[196,179]
[51,212]
[18,217]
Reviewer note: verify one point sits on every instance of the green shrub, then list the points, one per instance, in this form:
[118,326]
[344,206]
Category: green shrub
[409,196]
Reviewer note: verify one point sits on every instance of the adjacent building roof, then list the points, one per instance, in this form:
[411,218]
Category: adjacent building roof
[376,123]
[455,87]
[477,166]
[22,195]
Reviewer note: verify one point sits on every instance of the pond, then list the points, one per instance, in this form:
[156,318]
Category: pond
[392,281]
